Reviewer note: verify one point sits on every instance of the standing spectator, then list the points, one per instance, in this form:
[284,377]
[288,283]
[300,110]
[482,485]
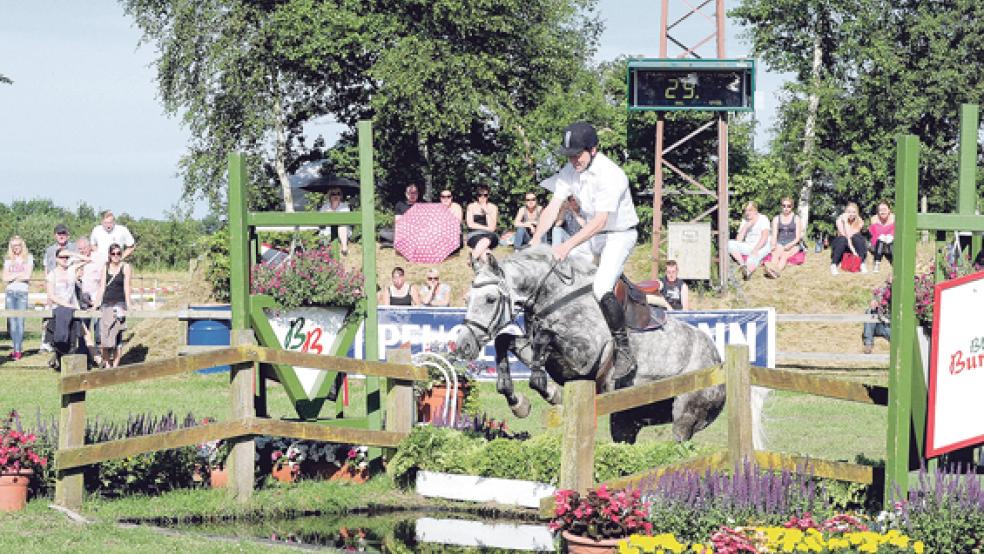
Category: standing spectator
[399,292]
[62,330]
[335,205]
[526,220]
[435,293]
[50,263]
[849,237]
[17,267]
[882,229]
[114,297]
[787,237]
[752,240]
[90,279]
[482,218]
[569,221]
[881,306]
[447,200]
[109,233]
[673,289]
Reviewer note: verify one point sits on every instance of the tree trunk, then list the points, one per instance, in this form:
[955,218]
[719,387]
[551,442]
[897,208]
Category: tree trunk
[280,157]
[427,193]
[809,134]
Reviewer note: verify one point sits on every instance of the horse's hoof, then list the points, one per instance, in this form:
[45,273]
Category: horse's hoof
[522,407]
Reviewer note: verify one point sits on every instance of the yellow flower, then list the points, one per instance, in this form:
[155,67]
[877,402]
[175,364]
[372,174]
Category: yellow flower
[918,547]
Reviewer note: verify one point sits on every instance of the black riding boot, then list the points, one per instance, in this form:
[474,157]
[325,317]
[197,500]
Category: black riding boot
[625,364]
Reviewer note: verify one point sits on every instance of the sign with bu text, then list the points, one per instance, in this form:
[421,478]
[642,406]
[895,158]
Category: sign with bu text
[956,371]
[422,327]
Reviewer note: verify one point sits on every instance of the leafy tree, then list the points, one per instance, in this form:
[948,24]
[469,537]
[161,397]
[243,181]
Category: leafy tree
[5,80]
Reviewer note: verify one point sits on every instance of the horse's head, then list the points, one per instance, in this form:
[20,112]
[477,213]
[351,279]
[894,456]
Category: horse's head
[490,308]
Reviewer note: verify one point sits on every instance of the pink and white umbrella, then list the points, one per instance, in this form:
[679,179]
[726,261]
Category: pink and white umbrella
[427,233]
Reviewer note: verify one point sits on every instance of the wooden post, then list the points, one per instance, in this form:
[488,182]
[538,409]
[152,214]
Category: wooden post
[367,189]
[577,447]
[69,485]
[399,395]
[738,391]
[241,460]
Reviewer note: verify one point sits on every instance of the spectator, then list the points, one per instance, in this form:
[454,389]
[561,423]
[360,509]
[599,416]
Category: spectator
[673,289]
[62,330]
[849,237]
[752,242]
[17,267]
[90,279]
[787,236]
[399,292]
[526,220]
[435,293]
[448,201]
[113,299]
[109,233]
[482,218]
[411,193]
[335,205]
[881,306]
[882,229]
[569,221]
[49,261]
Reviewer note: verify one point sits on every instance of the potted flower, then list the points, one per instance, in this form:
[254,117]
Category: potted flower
[287,463]
[353,464]
[595,523]
[18,461]
[214,455]
[432,395]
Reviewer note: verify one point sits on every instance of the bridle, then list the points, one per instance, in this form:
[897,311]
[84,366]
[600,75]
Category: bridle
[500,317]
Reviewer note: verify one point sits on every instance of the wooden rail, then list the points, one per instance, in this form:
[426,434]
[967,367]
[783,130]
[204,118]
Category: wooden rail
[130,314]
[819,386]
[649,393]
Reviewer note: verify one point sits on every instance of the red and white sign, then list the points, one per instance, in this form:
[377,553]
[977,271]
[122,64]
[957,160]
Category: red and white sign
[956,371]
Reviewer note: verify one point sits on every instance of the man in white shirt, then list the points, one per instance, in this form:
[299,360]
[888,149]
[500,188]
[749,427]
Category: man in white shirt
[752,241]
[609,232]
[109,233]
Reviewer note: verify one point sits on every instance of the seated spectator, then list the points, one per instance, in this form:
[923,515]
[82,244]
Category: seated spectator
[880,306]
[481,218]
[752,242]
[435,293]
[673,289]
[569,221]
[447,199]
[526,220]
[17,267]
[387,235]
[849,238]
[882,229]
[336,205]
[787,238]
[399,292]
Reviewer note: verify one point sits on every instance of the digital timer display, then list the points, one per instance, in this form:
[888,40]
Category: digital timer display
[699,85]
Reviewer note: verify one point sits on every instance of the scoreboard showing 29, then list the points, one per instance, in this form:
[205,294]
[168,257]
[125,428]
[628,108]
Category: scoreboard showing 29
[691,85]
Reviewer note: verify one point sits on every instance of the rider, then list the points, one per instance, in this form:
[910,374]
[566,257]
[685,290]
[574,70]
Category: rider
[602,190]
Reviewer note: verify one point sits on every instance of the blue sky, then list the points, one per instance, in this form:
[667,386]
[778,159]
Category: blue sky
[82,122]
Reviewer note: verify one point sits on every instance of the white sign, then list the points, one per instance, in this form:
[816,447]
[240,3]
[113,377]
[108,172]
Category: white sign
[956,374]
[311,330]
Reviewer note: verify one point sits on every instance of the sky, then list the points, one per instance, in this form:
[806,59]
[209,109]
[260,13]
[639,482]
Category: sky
[82,121]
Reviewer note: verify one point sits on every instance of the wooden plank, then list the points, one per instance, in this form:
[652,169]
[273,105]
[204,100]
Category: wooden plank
[950,222]
[826,318]
[238,241]
[150,370]
[738,394]
[324,433]
[403,372]
[641,395]
[817,385]
[578,442]
[130,314]
[69,458]
[69,484]
[826,469]
[241,460]
[399,396]
[295,219]
[878,359]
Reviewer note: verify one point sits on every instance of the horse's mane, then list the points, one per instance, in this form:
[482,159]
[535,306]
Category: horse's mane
[531,263]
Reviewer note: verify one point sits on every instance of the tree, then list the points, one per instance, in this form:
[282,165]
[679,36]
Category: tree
[5,80]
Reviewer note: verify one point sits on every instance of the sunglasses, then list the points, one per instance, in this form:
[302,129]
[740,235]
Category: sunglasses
[63,257]
[336,194]
[433,278]
[117,253]
[531,199]
[445,196]
[787,205]
[481,194]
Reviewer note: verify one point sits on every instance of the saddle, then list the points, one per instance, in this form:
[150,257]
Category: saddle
[639,315]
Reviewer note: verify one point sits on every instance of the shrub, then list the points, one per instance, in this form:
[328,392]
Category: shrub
[946,510]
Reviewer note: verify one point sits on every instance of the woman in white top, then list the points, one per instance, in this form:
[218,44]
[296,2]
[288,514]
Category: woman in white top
[17,268]
[435,293]
[752,241]
[335,204]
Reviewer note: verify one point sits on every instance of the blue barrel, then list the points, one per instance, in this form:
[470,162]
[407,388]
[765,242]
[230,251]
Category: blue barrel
[209,332]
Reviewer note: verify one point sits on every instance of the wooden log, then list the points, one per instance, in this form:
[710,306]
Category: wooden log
[404,372]
[150,370]
[324,433]
[241,459]
[817,385]
[399,396]
[827,469]
[578,443]
[72,457]
[738,391]
[69,485]
[836,357]
[641,395]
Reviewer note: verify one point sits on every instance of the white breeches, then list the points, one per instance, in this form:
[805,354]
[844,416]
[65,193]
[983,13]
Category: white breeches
[612,250]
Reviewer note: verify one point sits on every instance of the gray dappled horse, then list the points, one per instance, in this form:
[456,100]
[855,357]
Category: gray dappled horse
[567,338]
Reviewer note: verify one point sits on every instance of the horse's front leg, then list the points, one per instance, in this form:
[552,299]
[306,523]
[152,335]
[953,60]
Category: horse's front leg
[535,354]
[518,403]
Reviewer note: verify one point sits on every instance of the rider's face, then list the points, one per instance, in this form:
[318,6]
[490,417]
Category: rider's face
[582,160]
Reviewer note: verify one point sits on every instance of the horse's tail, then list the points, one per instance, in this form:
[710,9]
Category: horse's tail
[758,426]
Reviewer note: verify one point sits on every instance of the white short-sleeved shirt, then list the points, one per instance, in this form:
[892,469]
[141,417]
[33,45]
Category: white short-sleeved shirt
[759,226]
[602,187]
[18,266]
[342,207]
[101,240]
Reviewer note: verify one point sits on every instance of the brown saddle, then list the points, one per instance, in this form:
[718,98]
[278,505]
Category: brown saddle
[639,315]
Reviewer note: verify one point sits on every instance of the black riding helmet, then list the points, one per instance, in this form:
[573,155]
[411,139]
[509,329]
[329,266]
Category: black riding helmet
[576,138]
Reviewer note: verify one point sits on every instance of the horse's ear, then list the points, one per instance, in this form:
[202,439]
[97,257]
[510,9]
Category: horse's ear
[494,265]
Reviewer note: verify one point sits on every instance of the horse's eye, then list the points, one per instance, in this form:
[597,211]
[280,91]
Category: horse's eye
[490,299]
